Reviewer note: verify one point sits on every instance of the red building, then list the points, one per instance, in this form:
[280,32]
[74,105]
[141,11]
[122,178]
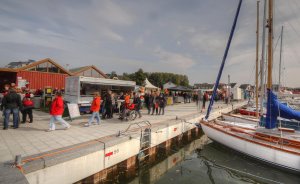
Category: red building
[39,74]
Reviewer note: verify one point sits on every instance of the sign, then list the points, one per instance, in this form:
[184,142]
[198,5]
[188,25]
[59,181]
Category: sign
[22,83]
[48,91]
[73,110]
[170,101]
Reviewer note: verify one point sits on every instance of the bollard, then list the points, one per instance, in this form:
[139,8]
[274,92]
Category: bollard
[18,160]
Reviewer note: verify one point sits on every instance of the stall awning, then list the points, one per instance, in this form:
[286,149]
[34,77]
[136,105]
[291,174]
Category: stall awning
[148,84]
[180,88]
[106,82]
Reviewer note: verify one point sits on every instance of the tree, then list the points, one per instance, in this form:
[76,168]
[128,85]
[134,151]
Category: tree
[139,77]
[156,78]
[113,74]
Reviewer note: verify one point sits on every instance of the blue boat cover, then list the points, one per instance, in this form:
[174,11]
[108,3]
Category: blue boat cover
[276,108]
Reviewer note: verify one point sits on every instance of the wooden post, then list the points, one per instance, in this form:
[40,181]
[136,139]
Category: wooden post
[168,144]
[127,168]
[187,136]
[152,154]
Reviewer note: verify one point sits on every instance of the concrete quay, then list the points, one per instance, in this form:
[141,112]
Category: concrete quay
[82,153]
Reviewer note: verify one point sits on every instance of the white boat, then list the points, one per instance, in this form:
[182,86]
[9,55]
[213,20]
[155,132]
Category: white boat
[240,118]
[277,146]
[256,143]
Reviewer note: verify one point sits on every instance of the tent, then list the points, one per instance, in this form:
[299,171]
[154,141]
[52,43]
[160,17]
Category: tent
[180,88]
[148,85]
[169,85]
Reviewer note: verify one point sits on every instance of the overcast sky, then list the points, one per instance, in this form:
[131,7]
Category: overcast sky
[180,36]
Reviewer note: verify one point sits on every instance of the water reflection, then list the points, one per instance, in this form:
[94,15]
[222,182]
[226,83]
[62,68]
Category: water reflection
[203,161]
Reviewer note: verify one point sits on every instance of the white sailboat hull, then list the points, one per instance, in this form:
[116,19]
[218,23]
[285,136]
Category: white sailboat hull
[267,154]
[245,120]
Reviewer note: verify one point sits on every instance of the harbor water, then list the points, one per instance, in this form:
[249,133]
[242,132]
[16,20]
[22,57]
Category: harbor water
[204,161]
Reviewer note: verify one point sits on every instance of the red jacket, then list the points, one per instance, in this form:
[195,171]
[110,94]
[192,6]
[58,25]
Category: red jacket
[27,102]
[57,106]
[96,104]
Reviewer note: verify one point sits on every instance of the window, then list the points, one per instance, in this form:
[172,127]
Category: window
[52,68]
[95,74]
[31,69]
[42,67]
[87,73]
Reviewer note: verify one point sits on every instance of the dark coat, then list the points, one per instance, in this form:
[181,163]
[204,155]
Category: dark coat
[12,100]
[151,100]
[108,100]
[147,99]
[162,101]
[137,101]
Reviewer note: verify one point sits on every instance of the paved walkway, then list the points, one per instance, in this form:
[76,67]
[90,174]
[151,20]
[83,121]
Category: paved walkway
[32,139]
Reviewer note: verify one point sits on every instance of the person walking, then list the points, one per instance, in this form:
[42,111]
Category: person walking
[138,103]
[27,108]
[147,102]
[204,99]
[11,103]
[162,104]
[155,103]
[95,108]
[56,111]
[108,106]
[5,92]
[184,97]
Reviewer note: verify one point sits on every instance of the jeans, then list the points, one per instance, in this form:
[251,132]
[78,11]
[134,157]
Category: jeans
[94,115]
[15,112]
[55,118]
[161,110]
[148,108]
[139,112]
[154,109]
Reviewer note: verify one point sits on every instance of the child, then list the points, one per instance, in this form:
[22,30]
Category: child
[27,108]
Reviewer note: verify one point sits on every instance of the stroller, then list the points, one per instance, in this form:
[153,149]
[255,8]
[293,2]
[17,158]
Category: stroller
[127,112]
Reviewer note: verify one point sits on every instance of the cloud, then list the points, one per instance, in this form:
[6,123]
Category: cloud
[174,59]
[124,35]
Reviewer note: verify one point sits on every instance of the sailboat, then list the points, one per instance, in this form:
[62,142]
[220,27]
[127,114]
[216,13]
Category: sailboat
[277,146]
[254,114]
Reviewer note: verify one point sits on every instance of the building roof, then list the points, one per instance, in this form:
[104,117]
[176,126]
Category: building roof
[7,70]
[245,86]
[204,86]
[78,70]
[44,61]
[179,88]
[232,85]
[169,85]
[19,64]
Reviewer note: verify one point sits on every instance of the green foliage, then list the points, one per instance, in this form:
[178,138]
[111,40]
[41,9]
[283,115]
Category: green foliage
[156,78]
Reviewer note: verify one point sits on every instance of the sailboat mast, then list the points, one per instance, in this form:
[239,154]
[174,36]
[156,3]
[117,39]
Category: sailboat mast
[279,81]
[223,60]
[270,45]
[256,65]
[262,62]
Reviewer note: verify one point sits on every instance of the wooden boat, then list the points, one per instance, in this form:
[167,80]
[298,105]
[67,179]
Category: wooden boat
[264,145]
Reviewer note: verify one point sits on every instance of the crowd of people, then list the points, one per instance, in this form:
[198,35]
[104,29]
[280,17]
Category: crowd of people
[15,101]
[103,106]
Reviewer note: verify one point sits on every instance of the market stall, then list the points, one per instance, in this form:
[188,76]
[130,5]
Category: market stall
[80,90]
